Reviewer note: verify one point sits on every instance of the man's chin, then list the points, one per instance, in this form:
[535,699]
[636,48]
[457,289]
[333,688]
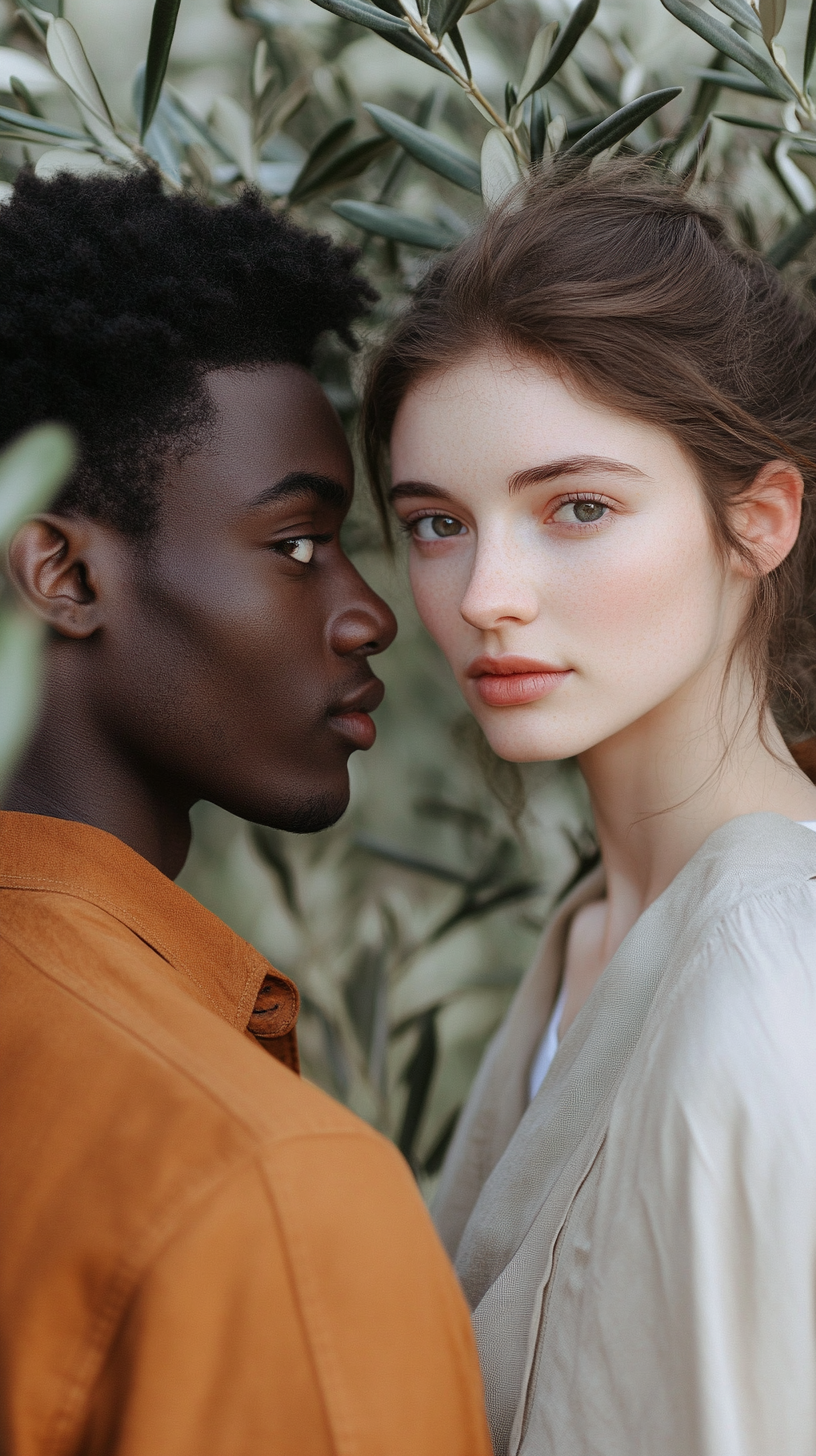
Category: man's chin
[306,816]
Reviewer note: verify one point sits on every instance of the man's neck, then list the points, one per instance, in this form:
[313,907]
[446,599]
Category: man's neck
[72,771]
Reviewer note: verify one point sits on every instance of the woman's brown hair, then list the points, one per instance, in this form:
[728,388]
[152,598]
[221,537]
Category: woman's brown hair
[618,280]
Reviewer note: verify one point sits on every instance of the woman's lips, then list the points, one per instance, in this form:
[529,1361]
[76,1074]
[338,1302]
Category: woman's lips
[507,682]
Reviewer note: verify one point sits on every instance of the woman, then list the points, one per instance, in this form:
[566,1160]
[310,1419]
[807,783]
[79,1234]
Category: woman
[602,428]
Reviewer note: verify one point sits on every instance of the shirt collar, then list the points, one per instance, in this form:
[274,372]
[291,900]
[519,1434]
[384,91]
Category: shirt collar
[222,971]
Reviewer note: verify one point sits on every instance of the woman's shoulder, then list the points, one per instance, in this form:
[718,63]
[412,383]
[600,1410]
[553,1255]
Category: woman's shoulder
[735,1033]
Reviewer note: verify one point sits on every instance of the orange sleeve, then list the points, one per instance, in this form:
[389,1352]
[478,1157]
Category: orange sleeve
[306,1309]
[385,1316]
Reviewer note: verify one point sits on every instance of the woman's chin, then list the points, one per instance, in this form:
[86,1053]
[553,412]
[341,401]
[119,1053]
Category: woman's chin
[520,742]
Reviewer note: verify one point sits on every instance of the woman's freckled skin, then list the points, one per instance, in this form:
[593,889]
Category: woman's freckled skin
[635,605]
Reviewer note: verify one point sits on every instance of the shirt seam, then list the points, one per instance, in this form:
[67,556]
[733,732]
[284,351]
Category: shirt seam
[122,917]
[129,1272]
[347,1441]
[190,1076]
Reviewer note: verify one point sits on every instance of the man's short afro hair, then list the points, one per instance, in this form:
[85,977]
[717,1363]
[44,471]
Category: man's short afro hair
[115,300]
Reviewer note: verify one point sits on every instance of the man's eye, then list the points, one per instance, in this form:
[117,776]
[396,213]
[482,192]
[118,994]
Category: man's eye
[301,549]
[581,512]
[432,528]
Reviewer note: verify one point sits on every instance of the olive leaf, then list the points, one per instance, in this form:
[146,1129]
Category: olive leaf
[798,187]
[556,132]
[622,122]
[24,96]
[771,16]
[67,56]
[70,63]
[325,147]
[389,222]
[455,37]
[538,127]
[41,128]
[810,44]
[794,241]
[162,30]
[431,150]
[742,13]
[397,32]
[274,112]
[185,125]
[81,164]
[444,15]
[233,126]
[581,17]
[500,168]
[731,81]
[19,66]
[730,44]
[341,167]
[748,121]
[418,1075]
[32,470]
[537,58]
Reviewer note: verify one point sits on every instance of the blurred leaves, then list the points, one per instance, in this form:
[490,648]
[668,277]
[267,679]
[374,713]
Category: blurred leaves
[32,470]
[408,925]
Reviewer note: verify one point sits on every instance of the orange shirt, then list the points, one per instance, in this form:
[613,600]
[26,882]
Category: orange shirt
[200,1254]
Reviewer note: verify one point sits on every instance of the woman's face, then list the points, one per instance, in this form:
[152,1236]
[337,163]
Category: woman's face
[561,555]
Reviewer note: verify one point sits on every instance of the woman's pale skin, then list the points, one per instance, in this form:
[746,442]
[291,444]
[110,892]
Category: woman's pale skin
[562,556]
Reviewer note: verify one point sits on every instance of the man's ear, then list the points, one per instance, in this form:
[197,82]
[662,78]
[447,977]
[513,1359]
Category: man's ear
[52,564]
[768,516]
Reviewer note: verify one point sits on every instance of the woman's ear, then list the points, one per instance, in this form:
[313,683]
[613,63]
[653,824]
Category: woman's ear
[51,564]
[768,516]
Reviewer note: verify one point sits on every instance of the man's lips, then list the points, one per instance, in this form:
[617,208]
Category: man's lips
[349,718]
[506,682]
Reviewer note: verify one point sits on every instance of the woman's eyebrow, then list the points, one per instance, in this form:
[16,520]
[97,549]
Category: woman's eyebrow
[410,488]
[573,465]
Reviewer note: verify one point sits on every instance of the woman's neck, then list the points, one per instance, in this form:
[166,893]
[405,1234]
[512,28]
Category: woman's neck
[663,785]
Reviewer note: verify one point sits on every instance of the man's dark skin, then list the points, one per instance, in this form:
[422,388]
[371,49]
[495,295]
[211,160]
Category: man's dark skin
[210,663]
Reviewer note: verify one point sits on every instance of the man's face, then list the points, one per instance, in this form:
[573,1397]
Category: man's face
[233,664]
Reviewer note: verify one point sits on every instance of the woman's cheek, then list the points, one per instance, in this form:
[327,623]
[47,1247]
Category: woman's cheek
[435,586]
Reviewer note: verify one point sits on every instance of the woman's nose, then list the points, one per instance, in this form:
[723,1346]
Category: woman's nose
[497,591]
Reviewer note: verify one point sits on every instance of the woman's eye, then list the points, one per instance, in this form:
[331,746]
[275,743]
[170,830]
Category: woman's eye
[582,512]
[434,528]
[300,550]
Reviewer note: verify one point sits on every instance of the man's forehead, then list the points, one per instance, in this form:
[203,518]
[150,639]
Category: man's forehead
[274,434]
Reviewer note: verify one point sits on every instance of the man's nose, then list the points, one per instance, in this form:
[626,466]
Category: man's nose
[364,627]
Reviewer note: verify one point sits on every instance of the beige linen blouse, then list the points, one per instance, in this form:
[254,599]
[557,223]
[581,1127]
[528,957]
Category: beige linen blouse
[638,1244]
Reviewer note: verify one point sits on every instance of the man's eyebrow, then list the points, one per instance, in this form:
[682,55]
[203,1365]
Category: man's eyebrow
[573,465]
[299,483]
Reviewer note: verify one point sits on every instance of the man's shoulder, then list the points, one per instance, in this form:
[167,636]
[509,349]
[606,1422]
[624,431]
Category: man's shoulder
[91,990]
[127,1105]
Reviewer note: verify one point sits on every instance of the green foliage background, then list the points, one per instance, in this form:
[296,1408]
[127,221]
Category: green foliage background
[394,124]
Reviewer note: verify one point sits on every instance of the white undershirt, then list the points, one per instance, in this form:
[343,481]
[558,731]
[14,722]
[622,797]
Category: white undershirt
[549,1041]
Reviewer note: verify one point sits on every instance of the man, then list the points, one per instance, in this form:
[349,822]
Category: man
[200,1255]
